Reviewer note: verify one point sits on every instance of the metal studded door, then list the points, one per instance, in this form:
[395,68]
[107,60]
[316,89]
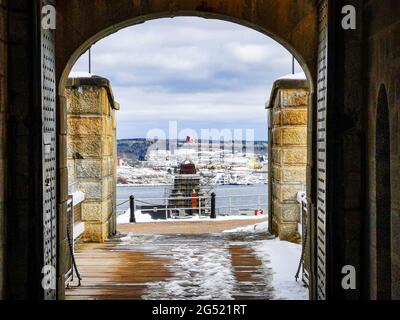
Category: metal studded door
[48,96]
[321,153]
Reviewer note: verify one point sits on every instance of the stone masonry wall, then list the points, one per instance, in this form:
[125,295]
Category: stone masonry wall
[92,154]
[3,132]
[383,69]
[289,155]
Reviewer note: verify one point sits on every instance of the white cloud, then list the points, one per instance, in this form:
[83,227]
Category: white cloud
[189,69]
[225,106]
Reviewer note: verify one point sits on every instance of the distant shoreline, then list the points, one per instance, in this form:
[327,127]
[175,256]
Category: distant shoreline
[171,185]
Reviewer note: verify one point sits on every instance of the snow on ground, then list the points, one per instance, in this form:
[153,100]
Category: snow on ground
[144,217]
[259,227]
[208,272]
[203,270]
[140,217]
[283,258]
[208,276]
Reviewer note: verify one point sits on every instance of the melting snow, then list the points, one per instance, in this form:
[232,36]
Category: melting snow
[144,217]
[207,270]
[283,257]
[257,228]
[204,270]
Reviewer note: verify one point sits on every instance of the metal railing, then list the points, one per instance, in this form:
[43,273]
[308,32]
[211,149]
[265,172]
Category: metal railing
[302,200]
[173,207]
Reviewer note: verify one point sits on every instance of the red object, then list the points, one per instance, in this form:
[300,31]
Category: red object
[259,212]
[188,139]
[194,200]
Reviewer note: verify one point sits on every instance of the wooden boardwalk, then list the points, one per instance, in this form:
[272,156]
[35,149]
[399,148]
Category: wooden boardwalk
[113,272]
[170,267]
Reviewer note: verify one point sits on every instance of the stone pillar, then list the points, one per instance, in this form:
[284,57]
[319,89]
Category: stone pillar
[92,153]
[3,133]
[288,105]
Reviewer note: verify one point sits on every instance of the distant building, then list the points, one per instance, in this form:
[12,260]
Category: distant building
[187,190]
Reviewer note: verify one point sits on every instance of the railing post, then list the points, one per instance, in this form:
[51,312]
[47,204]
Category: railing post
[213,212]
[166,209]
[199,206]
[132,207]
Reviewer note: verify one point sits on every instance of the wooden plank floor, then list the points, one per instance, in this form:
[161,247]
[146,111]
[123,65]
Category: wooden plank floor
[253,281]
[110,271]
[147,266]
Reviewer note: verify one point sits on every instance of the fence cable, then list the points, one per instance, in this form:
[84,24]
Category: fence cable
[122,203]
[303,249]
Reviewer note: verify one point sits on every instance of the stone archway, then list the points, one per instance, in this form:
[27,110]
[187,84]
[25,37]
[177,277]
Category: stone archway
[294,25]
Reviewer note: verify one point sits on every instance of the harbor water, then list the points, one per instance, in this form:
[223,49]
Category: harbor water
[230,199]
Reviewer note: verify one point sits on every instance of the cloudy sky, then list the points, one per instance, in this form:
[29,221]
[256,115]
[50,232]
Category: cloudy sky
[204,74]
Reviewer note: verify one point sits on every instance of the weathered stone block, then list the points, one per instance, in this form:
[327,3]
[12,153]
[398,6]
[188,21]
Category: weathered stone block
[85,147]
[294,156]
[287,192]
[89,169]
[108,147]
[85,125]
[85,100]
[290,174]
[294,98]
[294,117]
[99,211]
[287,212]
[290,136]
[108,166]
[277,119]
[71,172]
[92,211]
[287,231]
[92,190]
[94,232]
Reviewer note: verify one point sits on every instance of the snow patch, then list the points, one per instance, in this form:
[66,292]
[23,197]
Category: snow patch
[144,217]
[283,257]
[204,273]
[260,227]
[76,74]
[140,217]
[296,76]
